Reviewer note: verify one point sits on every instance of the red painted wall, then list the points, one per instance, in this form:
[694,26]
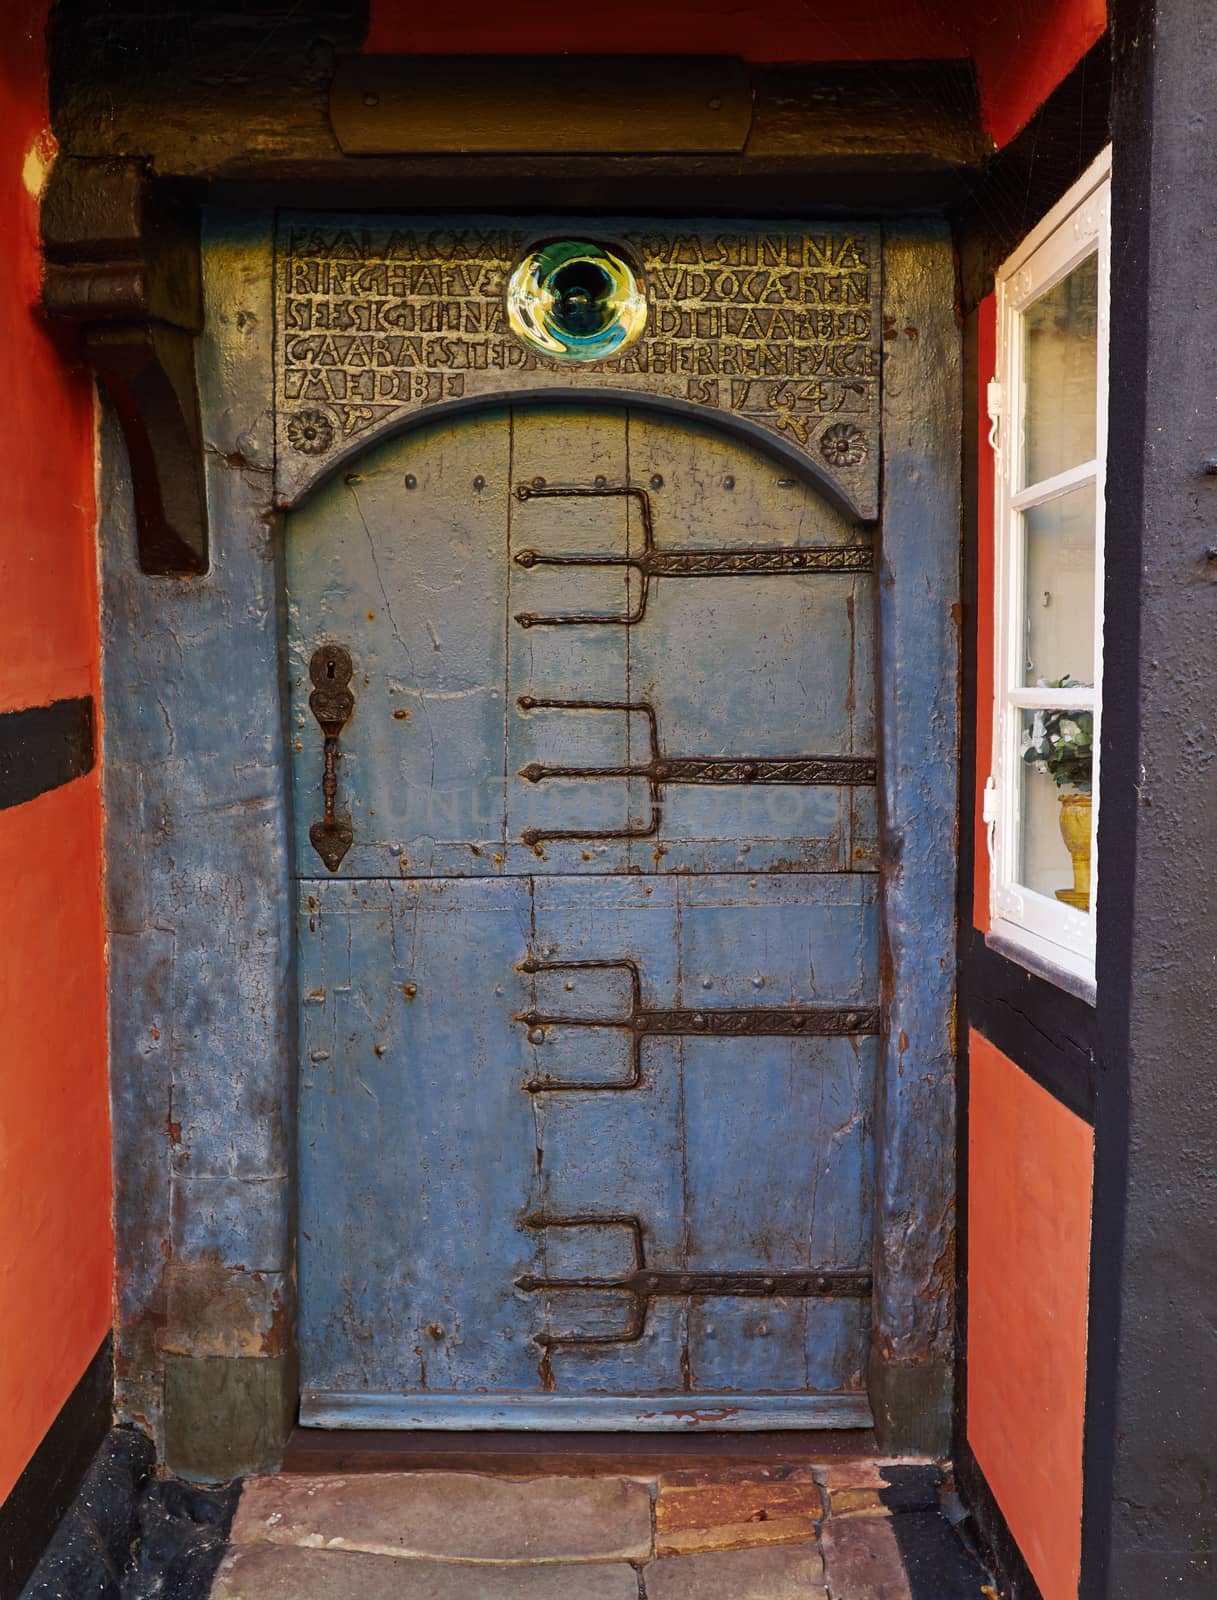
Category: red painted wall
[56,1248]
[1022,50]
[763,30]
[1030,1165]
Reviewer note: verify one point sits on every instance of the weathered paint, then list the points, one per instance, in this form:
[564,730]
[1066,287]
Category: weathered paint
[202,913]
[430,1143]
[200,925]
[918,664]
[803,299]
[424,584]
[55,1238]
[414,1112]
[1030,1175]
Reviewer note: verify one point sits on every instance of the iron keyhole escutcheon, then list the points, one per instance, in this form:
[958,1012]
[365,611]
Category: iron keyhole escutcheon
[332,703]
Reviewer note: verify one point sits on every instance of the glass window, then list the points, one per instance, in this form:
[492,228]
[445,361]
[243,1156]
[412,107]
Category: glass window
[1049,408]
[1060,361]
[1059,587]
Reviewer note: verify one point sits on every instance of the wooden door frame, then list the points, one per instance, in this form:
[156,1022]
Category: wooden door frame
[201,906]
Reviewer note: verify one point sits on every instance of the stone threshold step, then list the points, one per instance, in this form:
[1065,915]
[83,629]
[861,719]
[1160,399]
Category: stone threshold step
[284,1572]
[315,1451]
[451,1516]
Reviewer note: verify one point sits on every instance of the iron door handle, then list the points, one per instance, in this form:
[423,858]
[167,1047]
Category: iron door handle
[332,703]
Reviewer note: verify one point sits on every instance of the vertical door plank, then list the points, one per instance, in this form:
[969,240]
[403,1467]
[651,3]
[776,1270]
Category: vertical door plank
[572,449]
[401,561]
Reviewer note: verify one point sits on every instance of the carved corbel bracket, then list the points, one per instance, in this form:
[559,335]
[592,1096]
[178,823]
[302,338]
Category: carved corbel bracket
[122,266]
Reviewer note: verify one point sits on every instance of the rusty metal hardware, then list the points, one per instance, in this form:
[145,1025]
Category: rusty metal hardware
[746,561]
[643,1283]
[661,769]
[702,1022]
[332,703]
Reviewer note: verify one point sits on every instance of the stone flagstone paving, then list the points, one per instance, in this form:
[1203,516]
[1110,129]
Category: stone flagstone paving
[849,1530]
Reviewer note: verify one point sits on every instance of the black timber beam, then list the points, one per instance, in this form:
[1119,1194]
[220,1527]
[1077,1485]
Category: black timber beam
[44,747]
[1150,1524]
[249,112]
[122,268]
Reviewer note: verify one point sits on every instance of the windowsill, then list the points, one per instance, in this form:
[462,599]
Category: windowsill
[1044,960]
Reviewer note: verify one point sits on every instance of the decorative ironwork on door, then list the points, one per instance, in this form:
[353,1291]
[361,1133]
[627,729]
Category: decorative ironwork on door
[642,1285]
[659,770]
[704,1022]
[651,563]
[589,991]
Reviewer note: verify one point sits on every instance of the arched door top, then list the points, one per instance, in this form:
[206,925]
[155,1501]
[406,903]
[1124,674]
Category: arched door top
[726,425]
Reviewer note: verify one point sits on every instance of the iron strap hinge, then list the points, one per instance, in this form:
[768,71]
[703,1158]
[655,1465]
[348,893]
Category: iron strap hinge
[661,769]
[728,1022]
[644,1284]
[654,562]
[709,1022]
[853,1283]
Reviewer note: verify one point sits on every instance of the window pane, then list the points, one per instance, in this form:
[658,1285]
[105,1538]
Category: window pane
[1053,813]
[1060,374]
[1058,593]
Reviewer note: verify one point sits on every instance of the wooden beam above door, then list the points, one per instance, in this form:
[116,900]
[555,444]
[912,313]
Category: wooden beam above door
[547,105]
[630,134]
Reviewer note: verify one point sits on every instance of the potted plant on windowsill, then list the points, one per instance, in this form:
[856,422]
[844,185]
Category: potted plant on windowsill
[1062,745]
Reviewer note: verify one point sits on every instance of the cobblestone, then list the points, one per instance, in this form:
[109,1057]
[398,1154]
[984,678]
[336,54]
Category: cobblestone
[773,1574]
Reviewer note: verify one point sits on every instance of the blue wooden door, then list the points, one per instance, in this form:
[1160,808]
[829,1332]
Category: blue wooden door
[584,745]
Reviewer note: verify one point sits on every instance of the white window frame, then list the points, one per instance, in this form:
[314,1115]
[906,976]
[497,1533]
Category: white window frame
[1055,940]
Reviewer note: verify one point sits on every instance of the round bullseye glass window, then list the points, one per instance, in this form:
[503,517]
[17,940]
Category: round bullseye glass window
[572,300]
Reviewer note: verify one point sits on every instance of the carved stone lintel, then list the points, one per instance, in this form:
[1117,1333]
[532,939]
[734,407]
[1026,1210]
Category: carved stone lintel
[122,265]
[772,331]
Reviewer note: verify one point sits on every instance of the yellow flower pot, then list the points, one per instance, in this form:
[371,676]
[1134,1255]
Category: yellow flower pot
[1075,830]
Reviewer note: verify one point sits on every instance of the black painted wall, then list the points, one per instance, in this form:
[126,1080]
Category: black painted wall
[45,1490]
[1151,1523]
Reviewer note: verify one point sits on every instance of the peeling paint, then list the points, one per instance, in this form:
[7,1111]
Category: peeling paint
[200,905]
[196,840]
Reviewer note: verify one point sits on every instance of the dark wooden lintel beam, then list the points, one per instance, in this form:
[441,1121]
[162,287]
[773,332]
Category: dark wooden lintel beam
[122,268]
[904,133]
